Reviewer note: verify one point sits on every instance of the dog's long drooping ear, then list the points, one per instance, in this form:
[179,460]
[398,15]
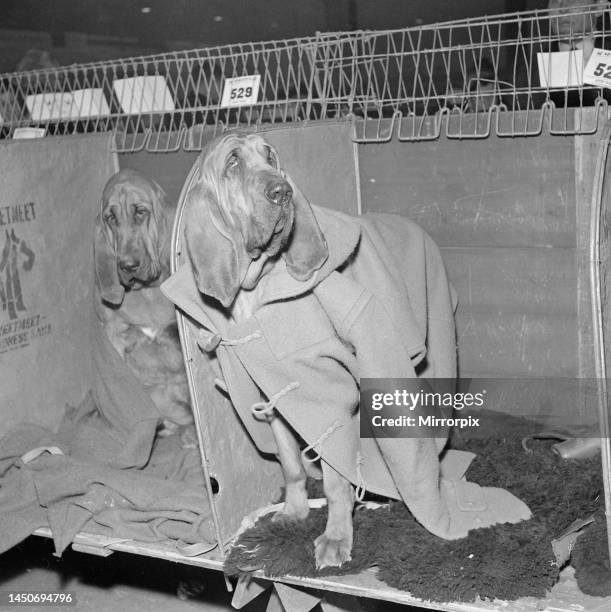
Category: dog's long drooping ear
[157,201]
[307,250]
[160,204]
[163,215]
[219,262]
[106,274]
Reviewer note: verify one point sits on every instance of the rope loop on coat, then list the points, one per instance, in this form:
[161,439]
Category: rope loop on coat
[33,454]
[209,342]
[263,411]
[318,444]
[238,341]
[360,484]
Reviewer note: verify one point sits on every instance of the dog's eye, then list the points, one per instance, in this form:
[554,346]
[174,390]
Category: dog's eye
[140,214]
[272,158]
[232,161]
[110,219]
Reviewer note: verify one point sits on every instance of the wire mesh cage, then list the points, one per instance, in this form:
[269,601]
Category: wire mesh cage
[513,75]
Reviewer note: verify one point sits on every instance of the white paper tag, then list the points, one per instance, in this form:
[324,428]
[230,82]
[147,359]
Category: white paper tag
[561,68]
[598,69]
[48,106]
[62,106]
[144,94]
[241,91]
[89,103]
[28,132]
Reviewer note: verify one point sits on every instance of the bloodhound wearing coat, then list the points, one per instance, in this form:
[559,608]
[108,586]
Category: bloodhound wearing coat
[132,258]
[298,304]
[237,229]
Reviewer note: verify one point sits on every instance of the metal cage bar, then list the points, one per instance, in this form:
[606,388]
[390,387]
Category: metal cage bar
[424,80]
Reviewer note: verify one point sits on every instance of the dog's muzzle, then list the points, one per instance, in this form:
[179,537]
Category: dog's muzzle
[136,271]
[128,265]
[279,192]
[272,219]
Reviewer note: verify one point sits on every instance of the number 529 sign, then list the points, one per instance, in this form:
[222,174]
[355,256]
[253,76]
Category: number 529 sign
[598,69]
[240,91]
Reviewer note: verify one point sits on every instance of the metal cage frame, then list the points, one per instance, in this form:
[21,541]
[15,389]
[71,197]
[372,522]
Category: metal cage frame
[466,78]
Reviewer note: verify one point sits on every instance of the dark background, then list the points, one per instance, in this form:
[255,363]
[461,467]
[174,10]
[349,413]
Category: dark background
[89,30]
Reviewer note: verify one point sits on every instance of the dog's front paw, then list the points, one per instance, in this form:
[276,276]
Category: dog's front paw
[331,552]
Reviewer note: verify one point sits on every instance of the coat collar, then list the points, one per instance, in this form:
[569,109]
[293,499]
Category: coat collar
[342,234]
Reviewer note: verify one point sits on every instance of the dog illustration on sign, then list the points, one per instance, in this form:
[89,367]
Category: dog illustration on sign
[11,295]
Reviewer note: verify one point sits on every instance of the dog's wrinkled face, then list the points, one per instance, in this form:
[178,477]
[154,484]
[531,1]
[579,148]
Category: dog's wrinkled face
[244,213]
[253,195]
[130,217]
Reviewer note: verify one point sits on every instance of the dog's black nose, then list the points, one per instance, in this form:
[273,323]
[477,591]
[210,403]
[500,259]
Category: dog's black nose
[278,192]
[128,265]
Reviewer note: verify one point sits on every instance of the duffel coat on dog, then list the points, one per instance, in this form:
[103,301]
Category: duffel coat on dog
[379,306]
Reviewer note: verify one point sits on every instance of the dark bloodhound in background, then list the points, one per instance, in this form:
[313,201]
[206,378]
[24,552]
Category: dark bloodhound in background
[132,258]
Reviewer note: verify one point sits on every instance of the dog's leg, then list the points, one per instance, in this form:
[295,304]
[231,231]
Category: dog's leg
[312,470]
[334,546]
[296,499]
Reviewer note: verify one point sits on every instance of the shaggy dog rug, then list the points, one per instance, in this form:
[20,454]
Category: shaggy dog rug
[590,558]
[504,561]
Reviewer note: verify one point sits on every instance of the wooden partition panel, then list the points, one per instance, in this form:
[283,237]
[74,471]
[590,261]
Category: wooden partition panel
[510,215]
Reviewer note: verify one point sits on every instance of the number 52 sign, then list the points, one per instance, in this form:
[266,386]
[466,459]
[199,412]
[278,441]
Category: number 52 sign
[598,69]
[241,91]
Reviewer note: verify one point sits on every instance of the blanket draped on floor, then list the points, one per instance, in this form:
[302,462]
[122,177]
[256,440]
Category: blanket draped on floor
[104,470]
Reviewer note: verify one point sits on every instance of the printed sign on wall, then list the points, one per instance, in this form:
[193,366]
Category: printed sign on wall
[49,196]
[19,326]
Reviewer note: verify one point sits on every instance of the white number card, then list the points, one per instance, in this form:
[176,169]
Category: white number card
[241,91]
[598,69]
